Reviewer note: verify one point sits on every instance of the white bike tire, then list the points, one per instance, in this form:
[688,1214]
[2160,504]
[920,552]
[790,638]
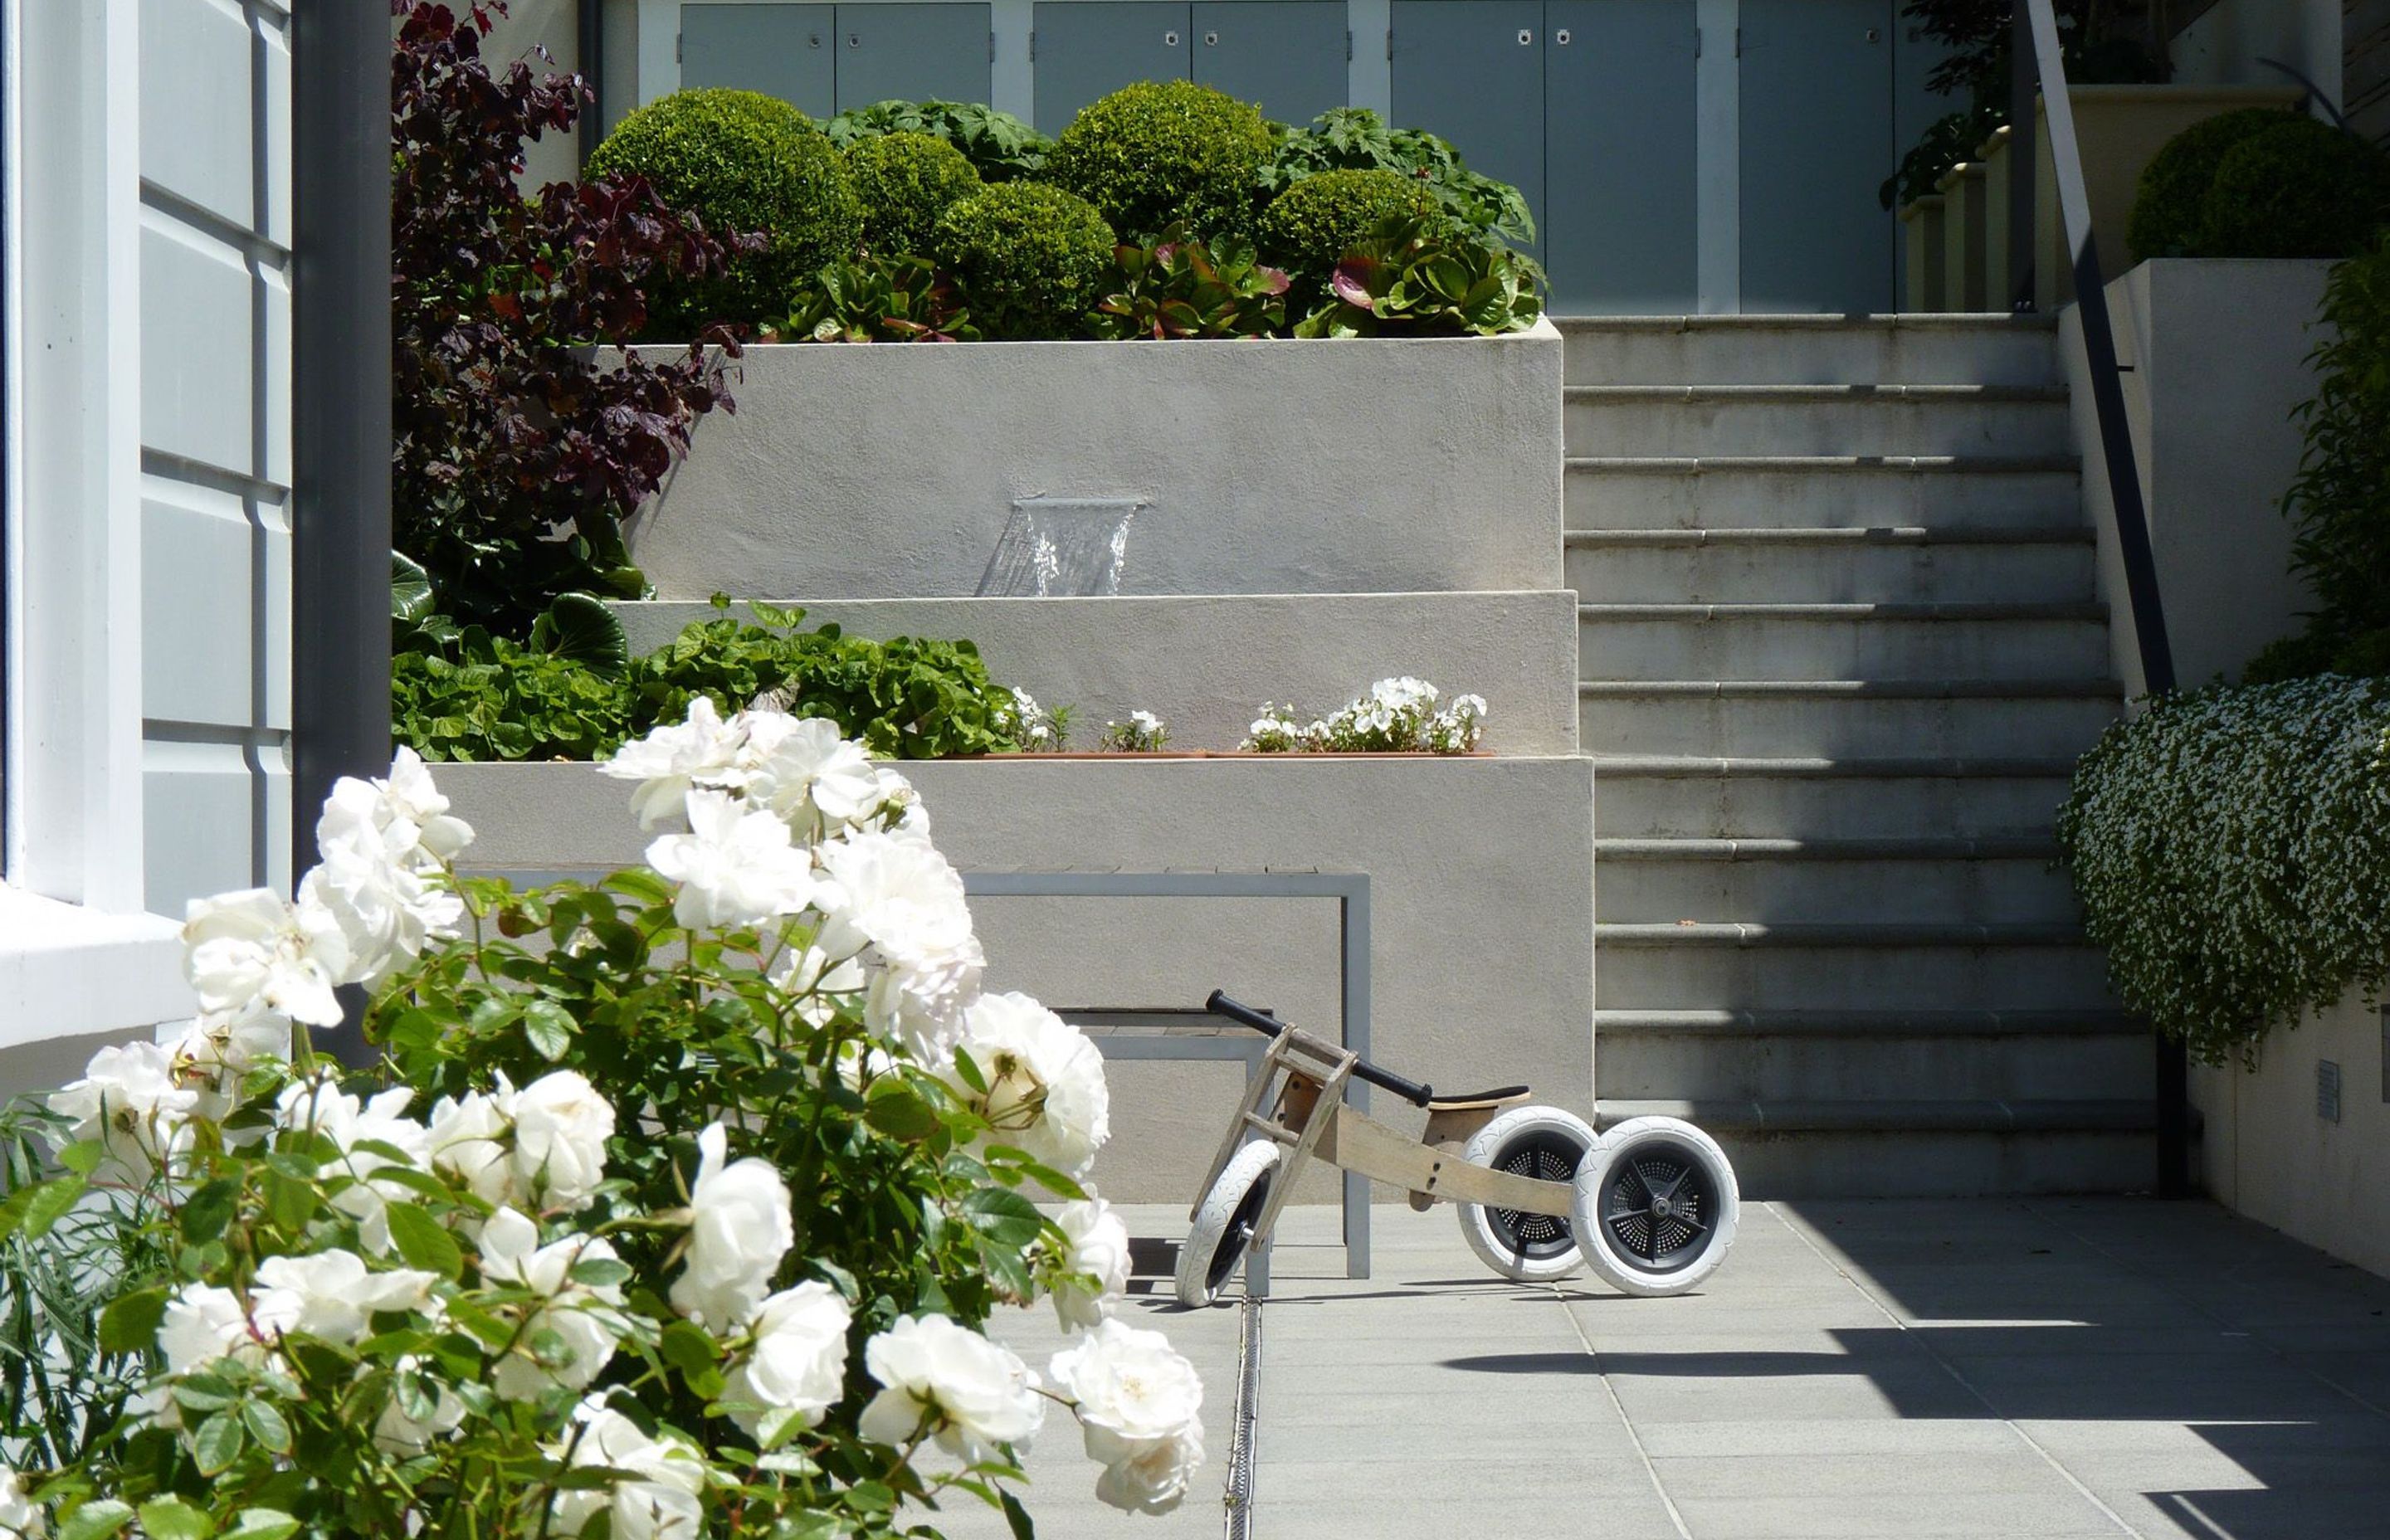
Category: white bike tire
[1214,1245]
[1526,1141]
[1672,1251]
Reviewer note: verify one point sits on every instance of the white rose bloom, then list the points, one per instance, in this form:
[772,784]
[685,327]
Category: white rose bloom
[202,1324]
[130,1101]
[561,1126]
[252,950]
[19,1517]
[1139,1405]
[587,1318]
[371,881]
[229,1045]
[899,805]
[670,760]
[797,1368]
[898,909]
[409,794]
[806,774]
[331,1296]
[1100,1250]
[469,1141]
[740,1229]
[736,866]
[657,1496]
[401,1432]
[820,984]
[349,1122]
[968,1393]
[1045,1090]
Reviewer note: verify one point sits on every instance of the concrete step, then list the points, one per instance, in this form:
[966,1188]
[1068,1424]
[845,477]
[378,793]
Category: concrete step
[1629,491]
[1844,718]
[1885,1057]
[1672,797]
[1809,350]
[1816,420]
[1880,881]
[1828,967]
[1839,641]
[2048,565]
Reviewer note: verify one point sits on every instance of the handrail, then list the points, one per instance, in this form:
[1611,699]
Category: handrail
[2035,41]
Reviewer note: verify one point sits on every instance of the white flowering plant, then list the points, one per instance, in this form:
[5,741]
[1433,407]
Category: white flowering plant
[1398,716]
[1142,733]
[1039,729]
[675,1205]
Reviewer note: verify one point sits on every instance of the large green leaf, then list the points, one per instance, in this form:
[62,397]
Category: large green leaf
[580,629]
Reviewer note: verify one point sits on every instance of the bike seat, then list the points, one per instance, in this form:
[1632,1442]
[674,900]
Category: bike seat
[1480,1101]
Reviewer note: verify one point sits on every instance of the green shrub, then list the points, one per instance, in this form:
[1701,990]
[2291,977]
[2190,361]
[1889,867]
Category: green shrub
[2232,849]
[1414,278]
[1166,152]
[905,181]
[1184,288]
[1307,228]
[747,162]
[2169,208]
[1034,260]
[2300,188]
[877,298]
[1354,139]
[999,146]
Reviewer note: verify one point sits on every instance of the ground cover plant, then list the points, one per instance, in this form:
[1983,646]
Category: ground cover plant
[1398,716]
[675,1205]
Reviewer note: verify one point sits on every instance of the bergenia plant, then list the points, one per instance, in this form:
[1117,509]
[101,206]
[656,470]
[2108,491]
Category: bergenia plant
[1398,716]
[674,1206]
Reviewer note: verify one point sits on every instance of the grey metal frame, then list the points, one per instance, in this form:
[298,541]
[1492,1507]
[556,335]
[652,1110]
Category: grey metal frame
[1351,889]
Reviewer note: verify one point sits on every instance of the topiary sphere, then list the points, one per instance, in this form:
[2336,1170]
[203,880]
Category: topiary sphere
[2167,207]
[1160,152]
[904,182]
[2301,188]
[1307,228]
[1034,260]
[743,162]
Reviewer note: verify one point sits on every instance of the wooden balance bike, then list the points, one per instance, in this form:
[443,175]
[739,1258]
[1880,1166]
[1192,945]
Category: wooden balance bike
[1649,1206]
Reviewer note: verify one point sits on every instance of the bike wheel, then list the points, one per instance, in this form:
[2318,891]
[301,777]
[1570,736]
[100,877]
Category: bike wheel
[1656,1206]
[1543,1143]
[1225,1221]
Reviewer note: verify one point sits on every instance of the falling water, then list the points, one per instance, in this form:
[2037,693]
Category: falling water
[1055,547]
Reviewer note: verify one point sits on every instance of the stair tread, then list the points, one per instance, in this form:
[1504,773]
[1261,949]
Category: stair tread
[1955,320]
[1923,847]
[2026,687]
[2071,533]
[1873,933]
[2131,1115]
[1896,609]
[1960,395]
[1962,465]
[1688,766]
[1750,1021]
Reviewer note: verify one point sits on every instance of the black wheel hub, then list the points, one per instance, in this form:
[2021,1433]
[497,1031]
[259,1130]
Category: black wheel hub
[1238,1236]
[1658,1205]
[1543,1155]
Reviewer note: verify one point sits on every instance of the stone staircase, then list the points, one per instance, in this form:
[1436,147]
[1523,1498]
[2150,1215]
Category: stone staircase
[1840,645]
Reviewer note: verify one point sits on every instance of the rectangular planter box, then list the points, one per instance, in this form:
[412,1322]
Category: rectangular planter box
[1275,466]
[1481,898]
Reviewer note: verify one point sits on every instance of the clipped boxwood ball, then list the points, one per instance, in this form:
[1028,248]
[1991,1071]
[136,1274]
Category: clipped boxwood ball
[2303,189]
[1307,228]
[743,162]
[2169,207]
[905,182]
[1034,260]
[1154,154]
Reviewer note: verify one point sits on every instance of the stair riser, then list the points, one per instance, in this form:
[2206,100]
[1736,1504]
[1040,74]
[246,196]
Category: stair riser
[1822,807]
[1702,977]
[1793,891]
[1936,1165]
[1872,1069]
[1858,727]
[1811,356]
[1786,573]
[1603,498]
[1741,647]
[1886,426]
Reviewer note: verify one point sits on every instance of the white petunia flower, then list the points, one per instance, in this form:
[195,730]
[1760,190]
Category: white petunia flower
[561,1126]
[736,866]
[130,1101]
[898,909]
[740,1229]
[330,1295]
[806,774]
[585,1317]
[20,1517]
[670,760]
[1098,1249]
[1045,1090]
[1139,1405]
[796,1371]
[656,1495]
[252,950]
[965,1391]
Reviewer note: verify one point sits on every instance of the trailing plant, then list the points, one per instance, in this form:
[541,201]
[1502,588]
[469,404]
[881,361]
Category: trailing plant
[998,145]
[673,1207]
[876,298]
[1414,278]
[1033,260]
[1398,716]
[1143,733]
[1354,139]
[2169,213]
[2232,851]
[905,181]
[742,160]
[1159,153]
[514,455]
[2300,188]
[1184,288]
[1309,228]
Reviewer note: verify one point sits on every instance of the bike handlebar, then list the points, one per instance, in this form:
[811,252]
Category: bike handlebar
[1409,1090]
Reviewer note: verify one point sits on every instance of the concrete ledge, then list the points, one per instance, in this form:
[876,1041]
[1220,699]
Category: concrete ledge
[1206,664]
[1482,904]
[66,972]
[1271,466]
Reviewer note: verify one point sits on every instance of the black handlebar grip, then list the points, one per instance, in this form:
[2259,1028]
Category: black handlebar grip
[1409,1090]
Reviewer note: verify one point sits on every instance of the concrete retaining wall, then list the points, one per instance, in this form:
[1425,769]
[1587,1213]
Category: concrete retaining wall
[1207,663]
[1267,466]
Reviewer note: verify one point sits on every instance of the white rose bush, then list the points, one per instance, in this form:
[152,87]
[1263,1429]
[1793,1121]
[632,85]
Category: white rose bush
[674,1206]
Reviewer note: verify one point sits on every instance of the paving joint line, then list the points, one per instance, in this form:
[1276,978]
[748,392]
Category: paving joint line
[1925,1342]
[1659,1487]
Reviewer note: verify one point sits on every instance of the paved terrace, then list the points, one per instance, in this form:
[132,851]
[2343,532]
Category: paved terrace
[1995,1369]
